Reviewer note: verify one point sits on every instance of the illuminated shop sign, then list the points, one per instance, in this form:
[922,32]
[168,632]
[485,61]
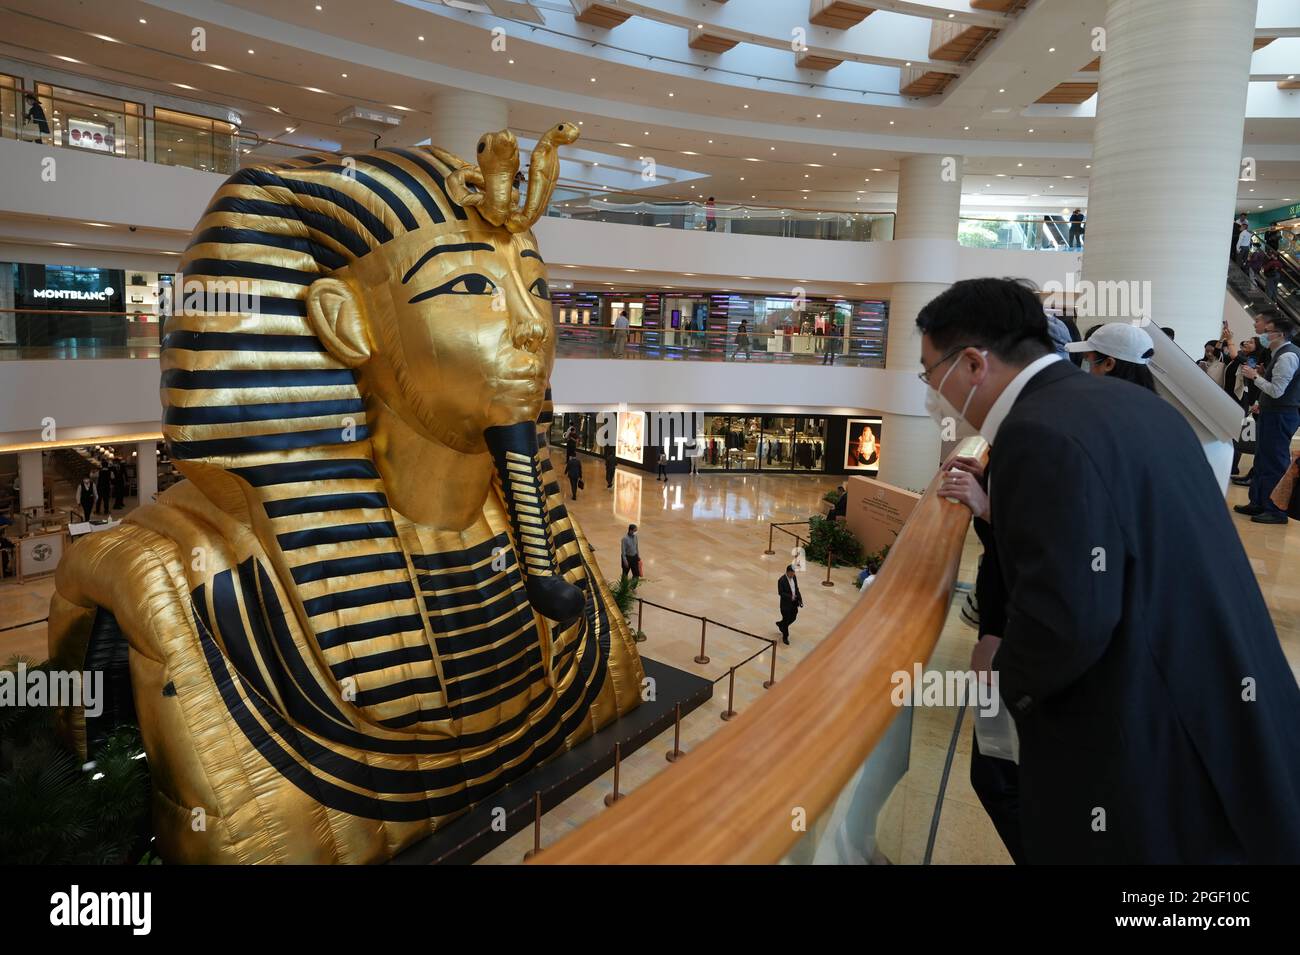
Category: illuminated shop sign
[75,295]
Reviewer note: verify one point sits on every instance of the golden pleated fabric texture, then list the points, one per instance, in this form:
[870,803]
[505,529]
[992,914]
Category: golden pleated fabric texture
[317,677]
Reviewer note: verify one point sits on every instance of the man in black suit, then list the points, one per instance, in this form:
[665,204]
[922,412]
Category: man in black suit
[787,587]
[1156,712]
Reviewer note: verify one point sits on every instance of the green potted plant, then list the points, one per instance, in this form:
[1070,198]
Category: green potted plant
[834,538]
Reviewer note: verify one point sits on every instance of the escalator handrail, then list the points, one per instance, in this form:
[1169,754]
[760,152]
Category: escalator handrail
[733,798]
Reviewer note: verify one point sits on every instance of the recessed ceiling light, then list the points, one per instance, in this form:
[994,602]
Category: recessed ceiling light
[771,149]
[593,79]
[752,159]
[687,152]
[107,39]
[672,94]
[288,129]
[1051,49]
[1031,130]
[511,62]
[819,115]
[1001,175]
[746,106]
[421,39]
[218,66]
[710,142]
[100,225]
[834,154]
[318,6]
[965,127]
[951,15]
[742,178]
[313,89]
[753,197]
[1089,166]
[66,59]
[143,20]
[1001,91]
[908,63]
[1019,164]
[184,86]
[344,75]
[1068,177]
[874,169]
[891,122]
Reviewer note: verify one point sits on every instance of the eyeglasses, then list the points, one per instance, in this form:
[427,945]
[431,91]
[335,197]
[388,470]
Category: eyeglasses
[925,375]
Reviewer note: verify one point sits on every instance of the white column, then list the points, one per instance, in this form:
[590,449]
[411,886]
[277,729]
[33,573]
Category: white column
[146,471]
[460,117]
[929,203]
[31,480]
[1167,150]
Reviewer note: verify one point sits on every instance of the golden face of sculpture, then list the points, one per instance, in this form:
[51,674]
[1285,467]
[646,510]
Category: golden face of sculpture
[458,329]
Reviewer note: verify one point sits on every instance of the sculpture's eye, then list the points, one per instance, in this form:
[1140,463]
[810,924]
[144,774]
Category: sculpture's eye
[541,289]
[471,284]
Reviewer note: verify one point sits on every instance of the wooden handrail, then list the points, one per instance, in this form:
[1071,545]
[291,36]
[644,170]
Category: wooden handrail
[734,798]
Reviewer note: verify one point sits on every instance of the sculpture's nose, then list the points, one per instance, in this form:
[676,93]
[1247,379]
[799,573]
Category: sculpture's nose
[530,329]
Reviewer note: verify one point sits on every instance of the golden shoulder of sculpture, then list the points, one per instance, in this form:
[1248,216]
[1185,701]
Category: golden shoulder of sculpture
[366,609]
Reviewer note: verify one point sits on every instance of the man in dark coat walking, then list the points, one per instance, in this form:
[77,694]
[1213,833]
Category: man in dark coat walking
[1156,712]
[787,587]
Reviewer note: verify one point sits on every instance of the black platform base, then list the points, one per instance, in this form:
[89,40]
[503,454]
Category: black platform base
[471,836]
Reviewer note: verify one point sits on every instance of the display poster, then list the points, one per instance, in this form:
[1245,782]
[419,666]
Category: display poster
[89,134]
[631,436]
[877,511]
[862,450]
[39,554]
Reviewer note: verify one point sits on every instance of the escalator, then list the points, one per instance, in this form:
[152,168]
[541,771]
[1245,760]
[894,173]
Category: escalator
[1250,293]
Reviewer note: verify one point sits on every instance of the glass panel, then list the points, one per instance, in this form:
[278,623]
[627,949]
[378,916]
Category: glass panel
[93,123]
[12,107]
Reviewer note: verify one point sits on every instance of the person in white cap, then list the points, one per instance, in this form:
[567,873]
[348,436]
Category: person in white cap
[1118,350]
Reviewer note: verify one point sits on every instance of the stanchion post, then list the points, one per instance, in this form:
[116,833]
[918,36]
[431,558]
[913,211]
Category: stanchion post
[639,636]
[731,693]
[702,659]
[537,826]
[771,680]
[676,752]
[770,530]
[830,562]
[615,796]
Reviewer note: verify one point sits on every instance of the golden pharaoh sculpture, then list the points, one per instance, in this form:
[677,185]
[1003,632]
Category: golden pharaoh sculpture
[367,608]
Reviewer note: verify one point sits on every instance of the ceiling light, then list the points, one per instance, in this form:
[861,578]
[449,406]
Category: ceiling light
[908,63]
[218,66]
[1031,130]
[1068,177]
[107,39]
[951,15]
[1051,49]
[287,129]
[624,145]
[184,86]
[742,178]
[344,75]
[834,154]
[753,197]
[1089,166]
[421,39]
[687,152]
[710,142]
[965,127]
[67,59]
[1001,175]
[318,6]
[746,106]
[752,159]
[1019,164]
[672,94]
[819,115]
[1001,91]
[593,79]
[313,89]
[143,20]
[891,122]
[100,225]
[874,169]
[511,62]
[771,149]
[646,133]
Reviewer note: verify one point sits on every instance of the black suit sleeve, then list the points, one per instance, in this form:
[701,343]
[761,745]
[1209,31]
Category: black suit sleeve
[1063,556]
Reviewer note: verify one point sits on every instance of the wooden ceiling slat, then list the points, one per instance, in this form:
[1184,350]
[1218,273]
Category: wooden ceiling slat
[601,15]
[914,82]
[812,61]
[710,42]
[1069,93]
[957,41]
[838,14]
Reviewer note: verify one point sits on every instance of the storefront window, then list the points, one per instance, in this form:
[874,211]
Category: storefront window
[93,123]
[12,108]
[182,139]
[794,443]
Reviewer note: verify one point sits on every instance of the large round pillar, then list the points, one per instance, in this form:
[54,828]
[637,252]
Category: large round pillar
[460,117]
[1167,150]
[929,204]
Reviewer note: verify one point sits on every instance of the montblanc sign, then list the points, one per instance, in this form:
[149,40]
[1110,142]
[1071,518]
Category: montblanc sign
[72,294]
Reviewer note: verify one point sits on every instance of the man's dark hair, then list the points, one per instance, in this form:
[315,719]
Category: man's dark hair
[1169,332]
[1003,315]
[789,568]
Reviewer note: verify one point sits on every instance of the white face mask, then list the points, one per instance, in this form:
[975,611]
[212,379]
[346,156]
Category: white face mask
[940,408]
[1085,366]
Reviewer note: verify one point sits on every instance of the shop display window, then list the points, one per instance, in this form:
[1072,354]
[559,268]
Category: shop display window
[93,123]
[182,139]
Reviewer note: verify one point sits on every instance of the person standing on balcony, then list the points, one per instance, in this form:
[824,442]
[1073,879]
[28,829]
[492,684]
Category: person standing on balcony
[621,325]
[35,115]
[1076,229]
[832,343]
[710,215]
[742,341]
[1154,706]
[787,588]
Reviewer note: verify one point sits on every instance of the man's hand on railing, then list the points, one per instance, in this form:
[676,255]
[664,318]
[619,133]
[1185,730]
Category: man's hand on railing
[961,483]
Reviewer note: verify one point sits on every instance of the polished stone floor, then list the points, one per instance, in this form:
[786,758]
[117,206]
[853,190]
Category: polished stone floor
[702,543]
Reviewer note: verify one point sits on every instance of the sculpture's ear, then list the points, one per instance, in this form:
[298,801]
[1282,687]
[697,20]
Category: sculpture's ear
[335,312]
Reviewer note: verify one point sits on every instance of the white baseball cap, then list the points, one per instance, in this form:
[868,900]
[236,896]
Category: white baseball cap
[1118,340]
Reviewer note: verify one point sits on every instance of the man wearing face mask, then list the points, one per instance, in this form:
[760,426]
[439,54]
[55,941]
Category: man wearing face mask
[1154,707]
[1279,415]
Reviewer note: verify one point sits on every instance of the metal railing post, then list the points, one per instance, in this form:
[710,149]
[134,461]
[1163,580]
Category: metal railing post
[676,752]
[730,711]
[537,826]
[615,796]
[771,680]
[830,562]
[702,659]
[639,636]
[771,528]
